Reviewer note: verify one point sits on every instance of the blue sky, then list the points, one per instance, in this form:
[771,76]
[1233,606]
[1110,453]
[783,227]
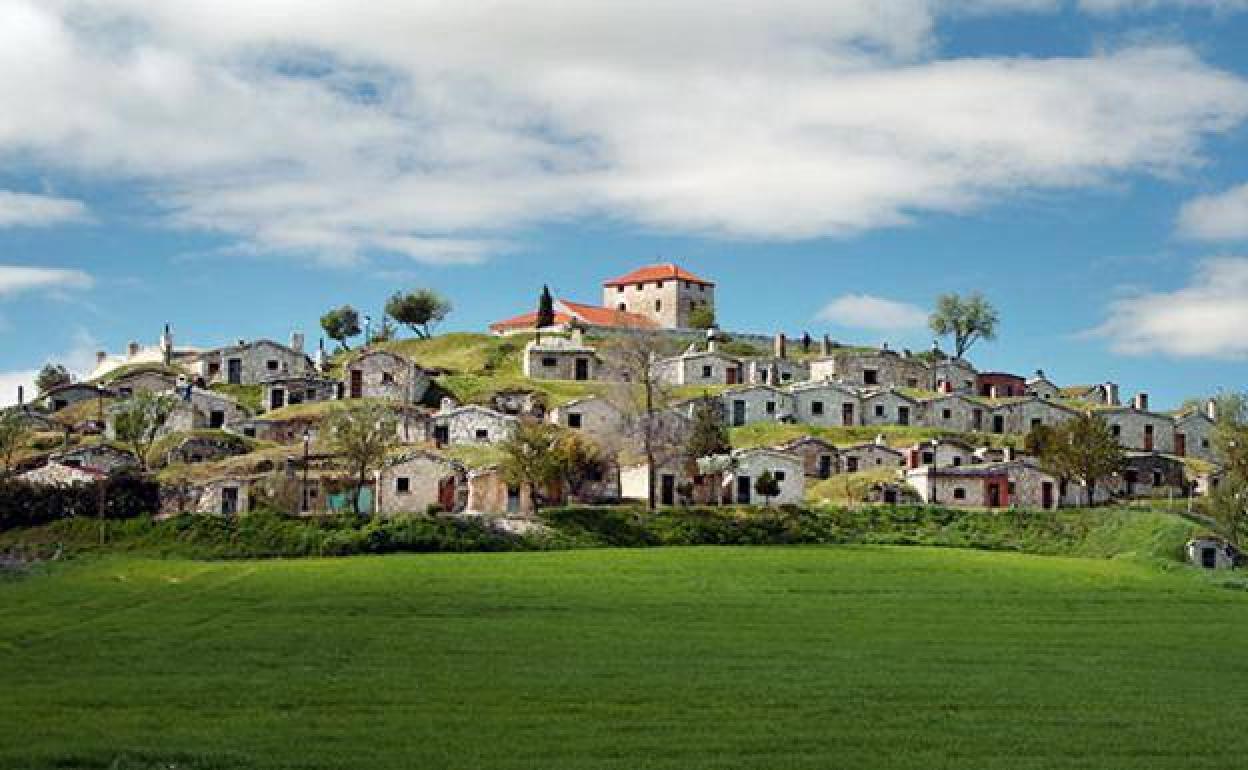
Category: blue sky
[236,168]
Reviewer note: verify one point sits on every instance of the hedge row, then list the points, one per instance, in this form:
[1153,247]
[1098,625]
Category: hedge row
[23,504]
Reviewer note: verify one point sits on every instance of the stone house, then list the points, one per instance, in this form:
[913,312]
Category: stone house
[519,402]
[1015,484]
[954,412]
[1193,432]
[142,380]
[55,474]
[953,375]
[561,358]
[670,478]
[221,497]
[384,375]
[489,494]
[667,294]
[775,371]
[734,476]
[941,453]
[64,396]
[873,369]
[1105,394]
[1137,428]
[870,456]
[252,363]
[1212,553]
[595,416]
[699,368]
[1000,385]
[756,403]
[1043,388]
[470,424]
[199,408]
[1021,415]
[285,430]
[889,407]
[289,391]
[820,459]
[826,404]
[103,458]
[417,480]
[1149,475]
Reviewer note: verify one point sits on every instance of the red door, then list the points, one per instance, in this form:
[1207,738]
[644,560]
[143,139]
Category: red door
[357,383]
[446,494]
[1180,444]
[1148,438]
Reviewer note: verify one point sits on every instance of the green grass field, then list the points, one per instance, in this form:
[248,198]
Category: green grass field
[856,657]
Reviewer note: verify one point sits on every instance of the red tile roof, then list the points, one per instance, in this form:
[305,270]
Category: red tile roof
[657,273]
[567,312]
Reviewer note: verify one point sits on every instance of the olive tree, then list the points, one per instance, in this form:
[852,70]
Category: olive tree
[967,319]
[363,433]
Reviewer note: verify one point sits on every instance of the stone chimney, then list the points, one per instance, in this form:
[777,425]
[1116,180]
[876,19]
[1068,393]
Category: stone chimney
[780,346]
[578,337]
[1039,374]
[1211,409]
[100,357]
[21,395]
[993,393]
[825,346]
[879,439]
[132,349]
[1111,394]
[1140,402]
[447,405]
[712,341]
[1007,454]
[296,341]
[322,360]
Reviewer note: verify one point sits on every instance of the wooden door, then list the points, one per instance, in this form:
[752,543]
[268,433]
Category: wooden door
[847,414]
[357,383]
[1180,444]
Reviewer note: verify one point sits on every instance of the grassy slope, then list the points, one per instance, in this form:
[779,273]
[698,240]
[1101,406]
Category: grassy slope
[774,433]
[677,658]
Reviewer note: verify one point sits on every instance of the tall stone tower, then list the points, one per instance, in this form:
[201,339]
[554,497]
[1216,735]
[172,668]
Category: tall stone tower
[665,293]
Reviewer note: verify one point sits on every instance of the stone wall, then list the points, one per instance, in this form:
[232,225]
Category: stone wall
[255,362]
[384,375]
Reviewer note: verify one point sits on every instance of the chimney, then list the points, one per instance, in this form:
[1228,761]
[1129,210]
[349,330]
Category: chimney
[166,345]
[781,346]
[1211,409]
[578,337]
[825,346]
[1140,402]
[321,358]
[21,395]
[712,341]
[447,405]
[1111,394]
[1007,454]
[992,392]
[879,439]
[100,357]
[296,341]
[1039,374]
[132,349]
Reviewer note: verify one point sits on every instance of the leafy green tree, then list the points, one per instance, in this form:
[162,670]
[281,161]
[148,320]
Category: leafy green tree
[138,421]
[702,317]
[363,433]
[52,376]
[1083,449]
[767,487]
[534,456]
[1229,501]
[14,434]
[341,324]
[419,310]
[1039,440]
[967,319]
[708,435]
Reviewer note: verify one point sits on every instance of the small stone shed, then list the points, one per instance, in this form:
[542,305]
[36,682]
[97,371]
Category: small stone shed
[1210,552]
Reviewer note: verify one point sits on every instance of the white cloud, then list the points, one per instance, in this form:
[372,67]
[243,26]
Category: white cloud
[27,210]
[79,359]
[11,381]
[1221,217]
[324,131]
[1205,319]
[15,279]
[863,311]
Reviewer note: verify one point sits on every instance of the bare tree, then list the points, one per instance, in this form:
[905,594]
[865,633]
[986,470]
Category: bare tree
[649,426]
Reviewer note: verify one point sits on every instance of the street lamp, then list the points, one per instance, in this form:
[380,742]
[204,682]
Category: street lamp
[368,325]
[307,440]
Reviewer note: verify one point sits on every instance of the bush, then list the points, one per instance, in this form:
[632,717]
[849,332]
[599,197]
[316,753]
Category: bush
[23,504]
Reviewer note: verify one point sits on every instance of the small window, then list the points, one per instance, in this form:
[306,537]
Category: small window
[574,420]
[549,362]
[658,305]
[778,475]
[483,434]
[619,289]
[402,485]
[959,493]
[957,461]
[929,458]
[879,410]
[622,307]
[1204,443]
[271,365]
[870,377]
[771,407]
[708,371]
[387,378]
[912,383]
[1117,431]
[816,407]
[1036,422]
[947,414]
[125,392]
[1156,478]
[1013,489]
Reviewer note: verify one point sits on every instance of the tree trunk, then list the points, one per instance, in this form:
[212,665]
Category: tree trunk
[1091,492]
[651,471]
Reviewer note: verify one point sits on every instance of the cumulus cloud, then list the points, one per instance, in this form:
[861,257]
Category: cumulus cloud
[1139,6]
[1204,319]
[437,130]
[78,358]
[16,279]
[1220,217]
[863,311]
[27,210]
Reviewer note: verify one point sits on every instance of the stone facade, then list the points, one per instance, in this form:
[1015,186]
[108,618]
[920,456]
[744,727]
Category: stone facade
[955,413]
[820,459]
[560,358]
[252,363]
[826,404]
[489,494]
[953,375]
[1193,435]
[1212,553]
[940,454]
[1000,385]
[55,474]
[664,293]
[595,416]
[104,458]
[1017,484]
[758,403]
[57,399]
[417,481]
[1140,430]
[736,483]
[198,409]
[288,391]
[1043,388]
[470,425]
[699,368]
[288,430]
[669,478]
[884,368]
[1022,415]
[868,457]
[775,371]
[206,448]
[890,407]
[1150,475]
[384,375]
[142,381]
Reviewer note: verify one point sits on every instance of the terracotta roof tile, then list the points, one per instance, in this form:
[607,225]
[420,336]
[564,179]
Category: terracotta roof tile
[657,273]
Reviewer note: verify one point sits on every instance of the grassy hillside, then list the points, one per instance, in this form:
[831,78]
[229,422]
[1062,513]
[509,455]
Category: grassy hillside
[868,657]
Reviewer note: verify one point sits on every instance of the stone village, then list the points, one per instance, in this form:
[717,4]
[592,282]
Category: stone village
[932,428]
